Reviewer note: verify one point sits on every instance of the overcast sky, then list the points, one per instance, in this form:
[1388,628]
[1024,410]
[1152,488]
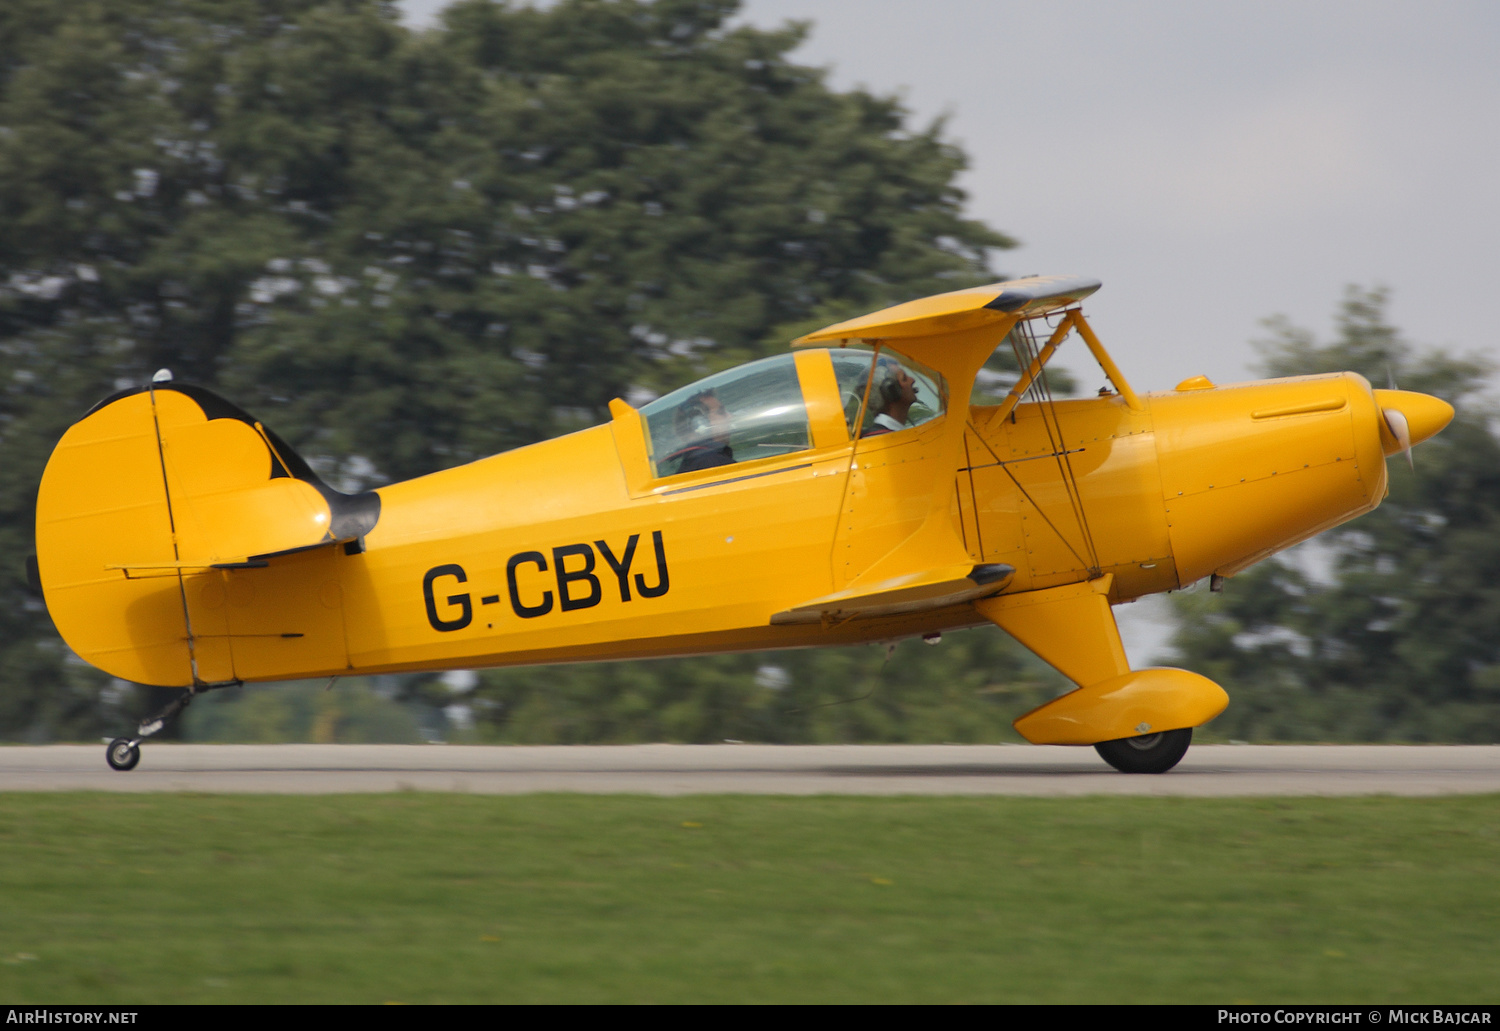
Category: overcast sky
[1213,164]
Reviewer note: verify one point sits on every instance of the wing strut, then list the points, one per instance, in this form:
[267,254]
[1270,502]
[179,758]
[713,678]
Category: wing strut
[1033,382]
[1073,319]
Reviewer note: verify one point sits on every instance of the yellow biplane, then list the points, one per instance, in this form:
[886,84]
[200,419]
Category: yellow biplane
[847,491]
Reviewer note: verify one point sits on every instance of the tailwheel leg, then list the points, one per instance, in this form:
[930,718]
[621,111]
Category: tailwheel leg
[122,754]
[153,724]
[1150,753]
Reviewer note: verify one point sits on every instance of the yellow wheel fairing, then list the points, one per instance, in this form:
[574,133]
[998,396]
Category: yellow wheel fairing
[1146,701]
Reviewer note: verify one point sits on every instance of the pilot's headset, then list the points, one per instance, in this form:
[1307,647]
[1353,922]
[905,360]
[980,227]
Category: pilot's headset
[887,382]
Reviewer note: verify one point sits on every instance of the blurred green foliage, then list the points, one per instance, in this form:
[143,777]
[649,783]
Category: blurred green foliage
[968,688]
[358,710]
[405,250]
[1384,629]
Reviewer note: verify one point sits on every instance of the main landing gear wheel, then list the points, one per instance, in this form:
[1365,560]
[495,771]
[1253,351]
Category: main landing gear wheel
[122,754]
[1150,753]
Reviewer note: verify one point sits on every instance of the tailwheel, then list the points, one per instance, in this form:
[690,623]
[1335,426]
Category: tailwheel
[122,754]
[1150,753]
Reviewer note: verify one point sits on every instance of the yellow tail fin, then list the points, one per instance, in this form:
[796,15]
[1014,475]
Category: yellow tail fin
[146,504]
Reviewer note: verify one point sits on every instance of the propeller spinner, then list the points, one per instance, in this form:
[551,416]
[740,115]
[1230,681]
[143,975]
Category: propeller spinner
[1409,418]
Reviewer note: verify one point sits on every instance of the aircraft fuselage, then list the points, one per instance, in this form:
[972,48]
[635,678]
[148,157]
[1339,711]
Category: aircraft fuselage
[544,554]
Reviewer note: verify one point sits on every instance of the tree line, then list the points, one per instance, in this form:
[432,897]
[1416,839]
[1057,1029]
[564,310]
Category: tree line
[405,250]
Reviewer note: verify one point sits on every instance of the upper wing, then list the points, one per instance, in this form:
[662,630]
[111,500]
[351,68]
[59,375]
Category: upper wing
[959,310]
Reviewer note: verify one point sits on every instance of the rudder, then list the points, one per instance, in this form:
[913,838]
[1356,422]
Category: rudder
[145,507]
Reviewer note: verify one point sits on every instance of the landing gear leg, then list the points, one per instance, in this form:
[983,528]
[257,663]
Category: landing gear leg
[1150,753]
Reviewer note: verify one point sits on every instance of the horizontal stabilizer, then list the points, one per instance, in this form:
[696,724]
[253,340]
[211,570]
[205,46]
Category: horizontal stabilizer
[916,592]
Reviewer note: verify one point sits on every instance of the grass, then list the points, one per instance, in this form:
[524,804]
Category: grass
[572,898]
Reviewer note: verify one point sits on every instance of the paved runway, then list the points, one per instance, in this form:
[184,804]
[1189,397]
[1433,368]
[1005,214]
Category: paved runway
[755,769]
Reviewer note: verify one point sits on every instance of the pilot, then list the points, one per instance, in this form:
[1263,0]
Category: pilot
[894,391]
[704,422]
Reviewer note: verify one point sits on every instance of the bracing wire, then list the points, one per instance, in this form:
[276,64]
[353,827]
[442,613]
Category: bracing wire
[1065,468]
[1005,467]
[973,497]
[1040,391]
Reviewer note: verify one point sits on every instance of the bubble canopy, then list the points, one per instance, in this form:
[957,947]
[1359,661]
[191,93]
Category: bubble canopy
[760,410]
